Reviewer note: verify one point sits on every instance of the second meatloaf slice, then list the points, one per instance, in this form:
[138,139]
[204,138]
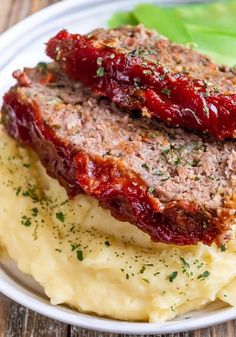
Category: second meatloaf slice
[138,69]
[173,185]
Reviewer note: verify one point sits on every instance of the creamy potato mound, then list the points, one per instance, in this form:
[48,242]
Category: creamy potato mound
[85,258]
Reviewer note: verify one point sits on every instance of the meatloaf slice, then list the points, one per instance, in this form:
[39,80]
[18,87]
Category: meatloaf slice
[177,187]
[138,69]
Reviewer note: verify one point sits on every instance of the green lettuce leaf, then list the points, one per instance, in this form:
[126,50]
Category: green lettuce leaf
[220,45]
[220,14]
[121,19]
[165,21]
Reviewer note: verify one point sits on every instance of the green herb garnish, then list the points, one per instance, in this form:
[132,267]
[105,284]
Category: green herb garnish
[60,216]
[165,178]
[172,276]
[34,211]
[223,247]
[79,254]
[145,280]
[204,275]
[100,71]
[42,67]
[107,243]
[185,263]
[166,91]
[195,162]
[26,221]
[147,72]
[146,167]
[151,190]
[18,190]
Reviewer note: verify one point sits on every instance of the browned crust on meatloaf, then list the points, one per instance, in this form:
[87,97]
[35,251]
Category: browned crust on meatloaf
[176,186]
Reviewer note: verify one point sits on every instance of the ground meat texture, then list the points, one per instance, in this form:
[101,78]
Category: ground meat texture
[176,186]
[138,69]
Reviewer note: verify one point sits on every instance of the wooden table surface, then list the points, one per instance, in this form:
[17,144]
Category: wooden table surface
[17,321]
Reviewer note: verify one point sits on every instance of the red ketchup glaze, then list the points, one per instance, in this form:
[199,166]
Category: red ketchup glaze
[107,180]
[174,98]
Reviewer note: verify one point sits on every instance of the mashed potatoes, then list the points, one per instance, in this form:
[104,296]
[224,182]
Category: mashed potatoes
[87,259]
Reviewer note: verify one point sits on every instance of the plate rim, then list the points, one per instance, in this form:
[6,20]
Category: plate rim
[21,295]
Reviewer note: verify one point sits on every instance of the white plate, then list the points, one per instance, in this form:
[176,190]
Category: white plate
[24,45]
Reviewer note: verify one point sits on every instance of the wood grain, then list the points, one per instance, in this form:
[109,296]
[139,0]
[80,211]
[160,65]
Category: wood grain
[17,321]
